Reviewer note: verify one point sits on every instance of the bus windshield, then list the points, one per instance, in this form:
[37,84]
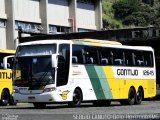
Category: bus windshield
[33,71]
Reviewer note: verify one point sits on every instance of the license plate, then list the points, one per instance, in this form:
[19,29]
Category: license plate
[31,99]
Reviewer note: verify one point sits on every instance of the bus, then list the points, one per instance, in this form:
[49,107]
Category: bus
[83,70]
[6,64]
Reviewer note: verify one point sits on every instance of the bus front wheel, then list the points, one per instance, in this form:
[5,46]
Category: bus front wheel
[77,98]
[5,98]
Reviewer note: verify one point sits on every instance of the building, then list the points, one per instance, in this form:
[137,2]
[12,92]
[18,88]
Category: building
[47,16]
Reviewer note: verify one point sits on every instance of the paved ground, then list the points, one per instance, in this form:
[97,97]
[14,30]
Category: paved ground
[148,110]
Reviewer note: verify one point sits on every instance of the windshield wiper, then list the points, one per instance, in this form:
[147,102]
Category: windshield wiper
[42,78]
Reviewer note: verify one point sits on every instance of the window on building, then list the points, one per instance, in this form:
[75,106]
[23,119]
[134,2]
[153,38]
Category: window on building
[27,26]
[84,30]
[86,1]
[2,23]
[59,29]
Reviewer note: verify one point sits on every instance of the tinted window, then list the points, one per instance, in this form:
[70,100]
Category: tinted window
[77,56]
[90,55]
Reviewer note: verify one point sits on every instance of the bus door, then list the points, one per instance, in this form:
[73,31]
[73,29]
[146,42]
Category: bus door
[63,67]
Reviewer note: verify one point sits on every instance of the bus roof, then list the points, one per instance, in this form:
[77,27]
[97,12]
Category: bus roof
[92,42]
[7,51]
[98,41]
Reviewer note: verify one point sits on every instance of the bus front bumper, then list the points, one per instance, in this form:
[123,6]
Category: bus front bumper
[31,98]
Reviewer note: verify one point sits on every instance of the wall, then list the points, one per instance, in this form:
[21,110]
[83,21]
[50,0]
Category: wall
[2,37]
[58,12]
[86,16]
[27,10]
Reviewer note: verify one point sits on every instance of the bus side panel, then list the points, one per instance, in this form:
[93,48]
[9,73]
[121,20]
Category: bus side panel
[99,82]
[106,85]
[81,79]
[112,82]
[120,85]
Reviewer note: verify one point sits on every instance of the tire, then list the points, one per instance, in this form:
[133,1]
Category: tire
[131,96]
[139,97]
[77,99]
[39,105]
[11,101]
[5,98]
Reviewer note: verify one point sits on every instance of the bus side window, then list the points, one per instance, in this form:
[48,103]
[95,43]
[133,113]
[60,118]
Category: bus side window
[90,60]
[77,56]
[106,56]
[1,62]
[90,55]
[74,59]
[138,58]
[148,56]
[1,65]
[128,58]
[104,61]
[140,63]
[118,57]
[118,62]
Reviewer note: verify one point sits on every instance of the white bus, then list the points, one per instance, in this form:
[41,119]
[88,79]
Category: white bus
[83,70]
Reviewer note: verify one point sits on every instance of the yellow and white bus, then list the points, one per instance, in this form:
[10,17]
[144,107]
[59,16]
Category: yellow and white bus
[6,63]
[83,70]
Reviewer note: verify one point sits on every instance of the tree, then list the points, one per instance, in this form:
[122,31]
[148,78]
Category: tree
[150,2]
[122,9]
[120,13]
[125,8]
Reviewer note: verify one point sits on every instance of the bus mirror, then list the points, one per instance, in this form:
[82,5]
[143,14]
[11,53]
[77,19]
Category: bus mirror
[54,61]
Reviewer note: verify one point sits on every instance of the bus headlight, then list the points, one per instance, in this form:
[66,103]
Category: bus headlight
[15,91]
[49,89]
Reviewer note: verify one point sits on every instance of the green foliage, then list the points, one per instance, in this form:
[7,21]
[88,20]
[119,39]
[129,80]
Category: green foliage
[108,15]
[122,13]
[125,8]
[150,2]
[157,22]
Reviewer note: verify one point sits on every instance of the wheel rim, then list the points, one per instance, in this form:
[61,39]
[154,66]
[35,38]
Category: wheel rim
[131,97]
[5,97]
[139,96]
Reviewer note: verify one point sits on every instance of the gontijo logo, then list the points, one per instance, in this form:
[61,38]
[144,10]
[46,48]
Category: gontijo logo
[5,75]
[64,94]
[133,73]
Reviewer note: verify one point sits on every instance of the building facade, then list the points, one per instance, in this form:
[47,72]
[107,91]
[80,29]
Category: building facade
[47,16]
